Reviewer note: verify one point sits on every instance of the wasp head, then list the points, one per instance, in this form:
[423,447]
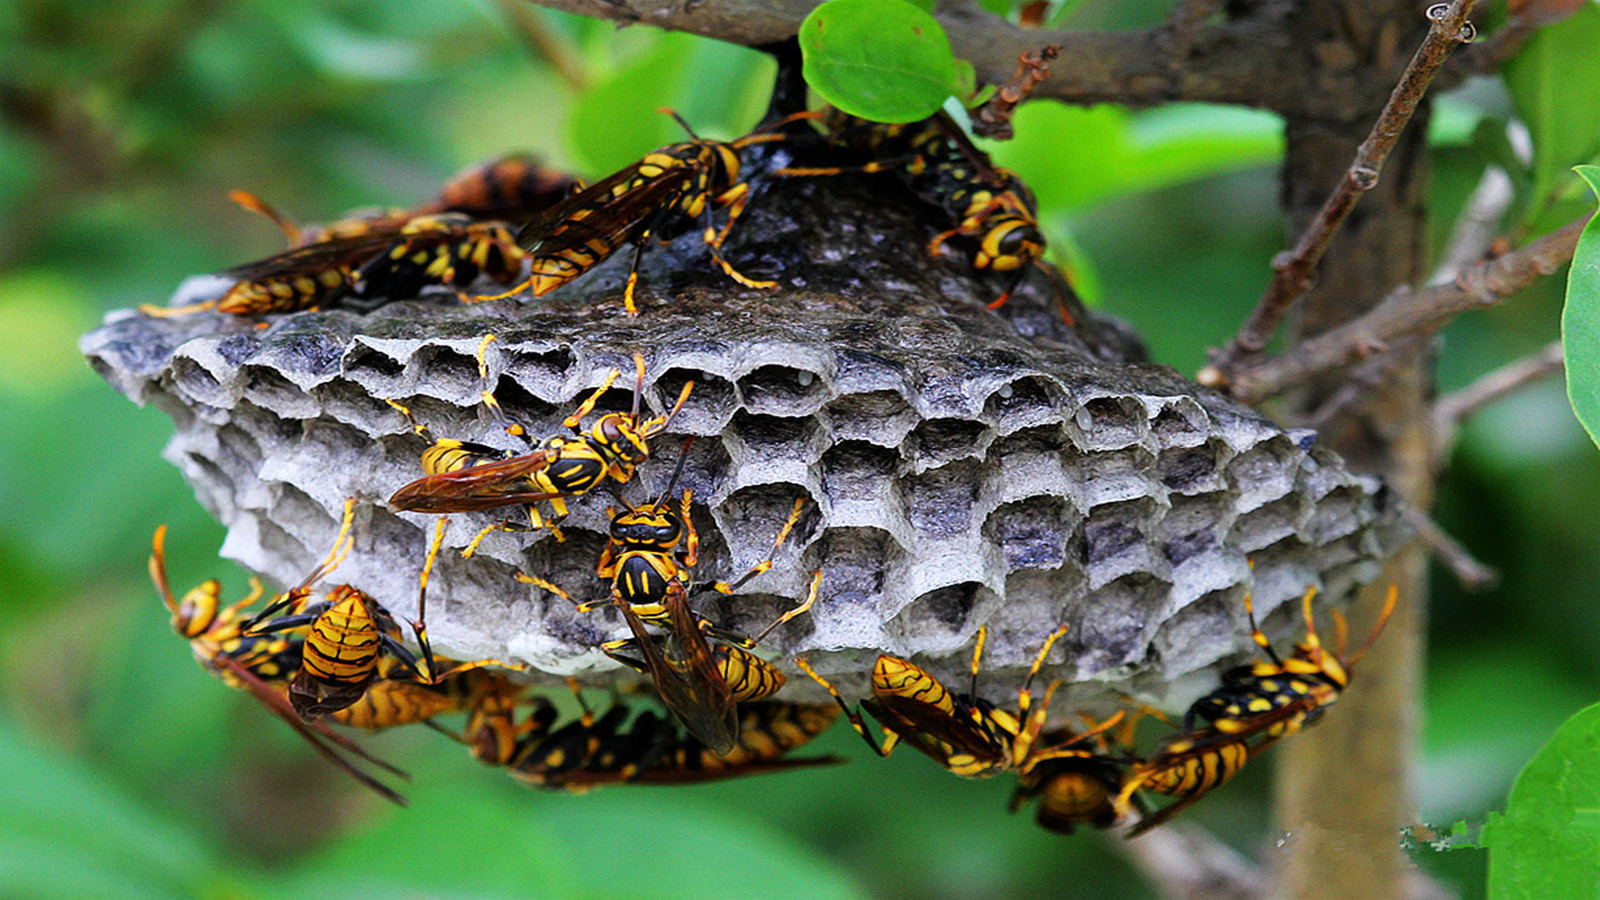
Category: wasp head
[654,526]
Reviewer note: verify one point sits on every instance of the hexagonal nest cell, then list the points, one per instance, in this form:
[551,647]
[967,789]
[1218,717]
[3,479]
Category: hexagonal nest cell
[959,466]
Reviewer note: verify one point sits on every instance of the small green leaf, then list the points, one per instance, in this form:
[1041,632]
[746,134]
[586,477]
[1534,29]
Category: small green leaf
[966,82]
[1580,320]
[1553,83]
[884,60]
[1548,842]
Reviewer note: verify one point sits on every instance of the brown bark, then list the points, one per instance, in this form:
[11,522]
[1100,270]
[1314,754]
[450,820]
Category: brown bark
[1344,796]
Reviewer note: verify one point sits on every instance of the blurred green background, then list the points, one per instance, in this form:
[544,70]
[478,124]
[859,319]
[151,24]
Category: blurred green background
[125,770]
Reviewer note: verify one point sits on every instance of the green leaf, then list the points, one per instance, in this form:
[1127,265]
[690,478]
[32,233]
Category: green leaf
[1074,157]
[616,122]
[558,842]
[1063,12]
[1553,83]
[67,833]
[1580,320]
[884,60]
[1548,842]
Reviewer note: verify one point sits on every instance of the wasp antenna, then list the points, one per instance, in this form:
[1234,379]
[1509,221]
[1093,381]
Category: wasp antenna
[1256,633]
[677,471]
[1312,639]
[1377,629]
[683,397]
[257,205]
[158,568]
[679,119]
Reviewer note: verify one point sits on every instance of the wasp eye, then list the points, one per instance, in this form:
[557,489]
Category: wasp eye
[609,429]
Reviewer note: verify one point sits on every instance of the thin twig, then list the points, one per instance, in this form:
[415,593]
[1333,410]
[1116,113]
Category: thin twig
[1478,225]
[1473,575]
[1363,379]
[1293,271]
[1453,408]
[546,43]
[1489,54]
[1183,860]
[1406,312]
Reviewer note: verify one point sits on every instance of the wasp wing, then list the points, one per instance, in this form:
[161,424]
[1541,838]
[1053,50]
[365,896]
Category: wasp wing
[320,736]
[685,672]
[318,257]
[934,731]
[601,215]
[487,486]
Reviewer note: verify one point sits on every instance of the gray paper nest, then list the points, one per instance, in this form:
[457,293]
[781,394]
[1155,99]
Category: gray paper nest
[963,467]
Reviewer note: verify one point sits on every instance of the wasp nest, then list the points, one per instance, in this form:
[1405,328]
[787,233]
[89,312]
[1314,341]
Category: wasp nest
[961,467]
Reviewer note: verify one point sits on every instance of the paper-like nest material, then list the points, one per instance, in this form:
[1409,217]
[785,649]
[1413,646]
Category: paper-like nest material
[962,468]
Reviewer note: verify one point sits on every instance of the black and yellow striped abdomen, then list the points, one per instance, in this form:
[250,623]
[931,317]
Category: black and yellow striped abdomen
[1180,771]
[342,645]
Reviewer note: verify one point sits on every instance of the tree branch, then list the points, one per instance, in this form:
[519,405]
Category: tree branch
[1451,409]
[1293,272]
[1183,860]
[1406,312]
[1241,61]
[1473,575]
[1488,55]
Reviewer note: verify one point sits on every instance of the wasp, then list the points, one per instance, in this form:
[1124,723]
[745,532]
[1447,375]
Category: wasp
[965,733]
[1077,787]
[348,635]
[1187,767]
[1279,697]
[467,477]
[513,188]
[658,195]
[453,239]
[256,663]
[701,682]
[592,751]
[394,699]
[994,213]
[1255,706]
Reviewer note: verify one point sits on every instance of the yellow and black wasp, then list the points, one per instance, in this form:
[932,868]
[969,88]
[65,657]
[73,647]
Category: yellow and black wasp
[1187,767]
[610,749]
[512,189]
[1279,697]
[965,733]
[668,190]
[1078,786]
[259,664]
[348,637]
[1256,705]
[395,698]
[468,477]
[701,671]
[995,215]
[453,239]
